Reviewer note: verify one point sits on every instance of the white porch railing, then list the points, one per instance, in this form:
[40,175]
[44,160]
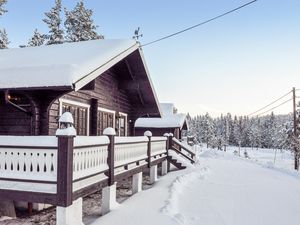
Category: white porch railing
[89,156]
[28,160]
[130,149]
[158,145]
[45,168]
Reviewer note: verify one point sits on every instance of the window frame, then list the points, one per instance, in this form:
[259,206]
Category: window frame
[78,104]
[126,125]
[101,109]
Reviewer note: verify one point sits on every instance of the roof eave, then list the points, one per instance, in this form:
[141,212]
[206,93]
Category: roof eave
[59,88]
[150,81]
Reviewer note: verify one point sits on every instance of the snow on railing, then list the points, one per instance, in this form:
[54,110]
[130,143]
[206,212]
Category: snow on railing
[28,158]
[89,156]
[130,149]
[158,145]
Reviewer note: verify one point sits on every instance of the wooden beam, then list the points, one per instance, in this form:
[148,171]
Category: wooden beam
[129,173]
[94,117]
[129,69]
[141,97]
[90,189]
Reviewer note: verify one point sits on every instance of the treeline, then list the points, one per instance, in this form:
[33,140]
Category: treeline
[271,131]
[77,26]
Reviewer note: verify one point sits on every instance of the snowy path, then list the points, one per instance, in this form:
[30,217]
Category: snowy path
[224,190]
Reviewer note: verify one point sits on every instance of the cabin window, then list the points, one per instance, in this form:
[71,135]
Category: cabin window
[80,114]
[106,118]
[121,124]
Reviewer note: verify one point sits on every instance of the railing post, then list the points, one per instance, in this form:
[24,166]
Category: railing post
[65,135]
[153,168]
[170,136]
[65,170]
[111,133]
[164,164]
[67,211]
[149,135]
[167,142]
[109,192]
[170,140]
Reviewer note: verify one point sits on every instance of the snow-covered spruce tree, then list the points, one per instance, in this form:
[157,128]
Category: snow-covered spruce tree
[239,129]
[37,39]
[207,126]
[53,21]
[4,42]
[227,131]
[2,10]
[80,25]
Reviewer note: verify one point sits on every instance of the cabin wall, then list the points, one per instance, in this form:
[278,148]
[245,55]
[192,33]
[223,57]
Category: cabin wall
[106,92]
[13,121]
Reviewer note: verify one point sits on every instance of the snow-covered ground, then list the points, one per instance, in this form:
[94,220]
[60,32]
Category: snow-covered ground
[221,189]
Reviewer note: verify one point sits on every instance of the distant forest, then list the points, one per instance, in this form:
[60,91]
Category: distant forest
[270,131]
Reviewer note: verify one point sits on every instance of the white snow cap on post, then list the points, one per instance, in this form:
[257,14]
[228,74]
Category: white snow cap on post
[148,133]
[171,135]
[66,127]
[166,135]
[66,117]
[109,131]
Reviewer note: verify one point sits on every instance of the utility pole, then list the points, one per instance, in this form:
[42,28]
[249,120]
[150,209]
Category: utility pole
[296,167]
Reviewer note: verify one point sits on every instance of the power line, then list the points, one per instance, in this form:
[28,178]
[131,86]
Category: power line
[269,104]
[199,24]
[275,107]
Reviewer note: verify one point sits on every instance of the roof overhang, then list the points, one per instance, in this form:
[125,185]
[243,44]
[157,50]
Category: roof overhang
[170,121]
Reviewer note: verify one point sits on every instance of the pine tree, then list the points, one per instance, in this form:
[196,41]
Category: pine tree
[4,42]
[53,21]
[2,10]
[37,39]
[80,25]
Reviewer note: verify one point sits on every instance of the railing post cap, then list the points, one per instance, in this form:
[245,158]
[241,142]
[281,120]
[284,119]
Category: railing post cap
[66,127]
[171,135]
[67,132]
[66,117]
[109,131]
[148,133]
[166,135]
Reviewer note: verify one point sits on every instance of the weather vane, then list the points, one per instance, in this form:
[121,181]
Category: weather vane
[136,34]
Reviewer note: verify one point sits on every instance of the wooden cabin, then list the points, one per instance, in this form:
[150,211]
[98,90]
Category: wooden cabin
[103,83]
[170,122]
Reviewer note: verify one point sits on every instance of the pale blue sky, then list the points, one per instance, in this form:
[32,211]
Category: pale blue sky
[236,64]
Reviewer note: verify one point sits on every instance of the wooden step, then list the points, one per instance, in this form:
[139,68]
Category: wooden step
[175,163]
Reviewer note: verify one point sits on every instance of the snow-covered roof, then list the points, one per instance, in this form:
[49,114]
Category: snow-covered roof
[167,108]
[168,121]
[70,64]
